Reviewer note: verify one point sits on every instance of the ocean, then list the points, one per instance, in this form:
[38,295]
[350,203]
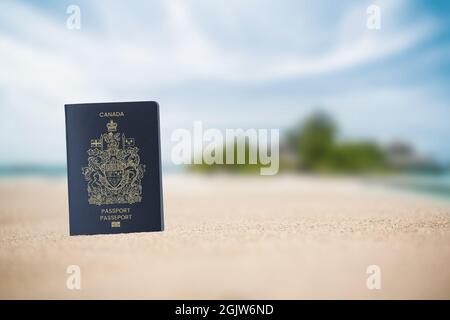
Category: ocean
[431,184]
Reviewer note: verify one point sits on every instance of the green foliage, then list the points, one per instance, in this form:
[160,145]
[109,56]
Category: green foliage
[317,149]
[314,141]
[231,168]
[358,157]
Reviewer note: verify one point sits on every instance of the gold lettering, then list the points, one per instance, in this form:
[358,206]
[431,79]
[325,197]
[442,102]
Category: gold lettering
[111,114]
[115,210]
[116,217]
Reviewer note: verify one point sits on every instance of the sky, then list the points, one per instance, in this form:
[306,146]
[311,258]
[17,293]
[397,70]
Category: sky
[231,64]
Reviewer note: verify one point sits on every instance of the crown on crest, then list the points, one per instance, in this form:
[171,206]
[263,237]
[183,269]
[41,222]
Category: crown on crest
[112,126]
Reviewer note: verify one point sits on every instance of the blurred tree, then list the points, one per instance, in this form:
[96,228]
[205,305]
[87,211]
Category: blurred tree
[313,147]
[318,151]
[314,141]
[358,157]
[231,168]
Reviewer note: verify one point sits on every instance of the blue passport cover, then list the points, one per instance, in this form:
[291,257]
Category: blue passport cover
[114,167]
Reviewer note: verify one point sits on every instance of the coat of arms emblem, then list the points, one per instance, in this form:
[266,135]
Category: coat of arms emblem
[114,171]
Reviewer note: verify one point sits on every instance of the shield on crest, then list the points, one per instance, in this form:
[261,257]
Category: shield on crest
[114,177]
[114,173]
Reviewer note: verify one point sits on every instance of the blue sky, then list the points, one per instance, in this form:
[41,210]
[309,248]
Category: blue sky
[228,63]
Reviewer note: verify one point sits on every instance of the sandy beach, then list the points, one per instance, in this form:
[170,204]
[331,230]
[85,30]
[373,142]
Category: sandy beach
[232,237]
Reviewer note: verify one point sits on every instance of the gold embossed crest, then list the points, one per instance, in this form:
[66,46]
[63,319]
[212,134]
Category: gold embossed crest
[114,171]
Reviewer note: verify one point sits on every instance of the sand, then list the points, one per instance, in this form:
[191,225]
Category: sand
[280,237]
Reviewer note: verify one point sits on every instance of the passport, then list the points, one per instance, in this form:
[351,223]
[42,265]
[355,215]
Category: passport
[114,167]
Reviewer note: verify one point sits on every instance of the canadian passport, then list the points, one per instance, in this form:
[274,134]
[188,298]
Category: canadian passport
[114,167]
